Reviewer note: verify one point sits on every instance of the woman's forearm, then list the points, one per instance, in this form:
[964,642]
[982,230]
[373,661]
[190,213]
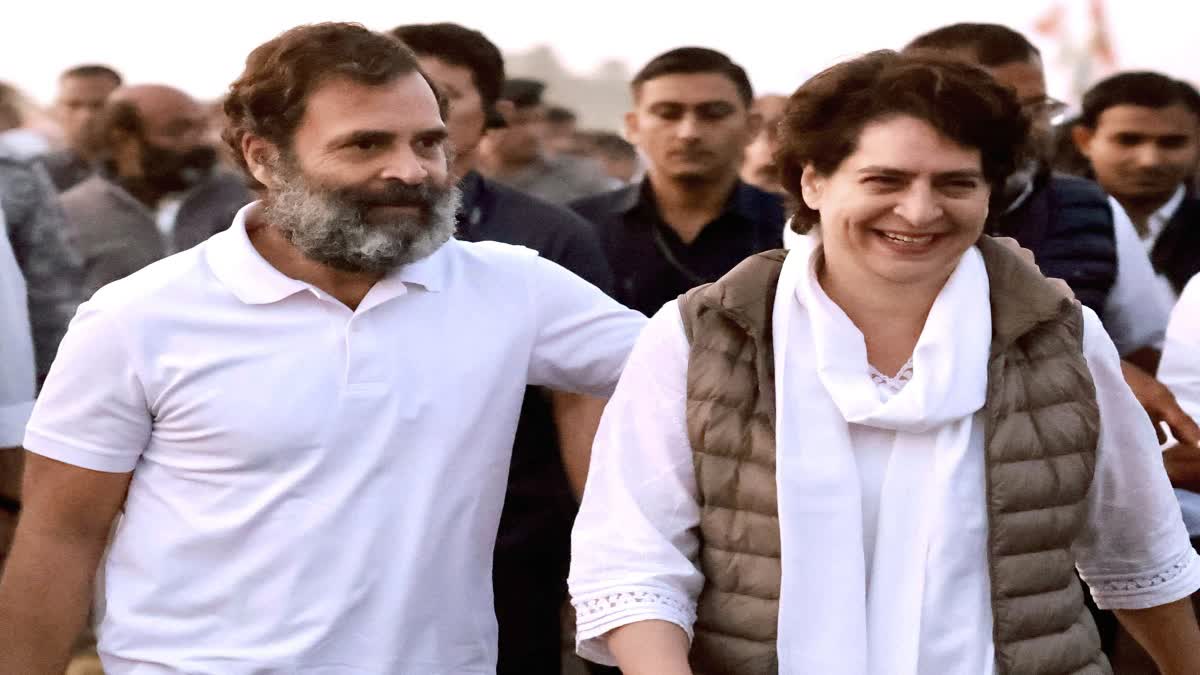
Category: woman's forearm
[1169,633]
[650,648]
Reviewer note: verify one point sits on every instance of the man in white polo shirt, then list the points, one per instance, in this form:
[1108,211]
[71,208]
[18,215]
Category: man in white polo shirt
[306,421]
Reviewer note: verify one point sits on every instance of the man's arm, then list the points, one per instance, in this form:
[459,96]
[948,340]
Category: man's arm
[46,587]
[1169,633]
[10,497]
[577,417]
[1161,406]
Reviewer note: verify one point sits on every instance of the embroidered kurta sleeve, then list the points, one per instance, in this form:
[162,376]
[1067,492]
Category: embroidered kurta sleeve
[1134,552]
[634,545]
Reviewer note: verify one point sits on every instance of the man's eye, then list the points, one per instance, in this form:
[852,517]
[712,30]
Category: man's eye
[882,180]
[960,187]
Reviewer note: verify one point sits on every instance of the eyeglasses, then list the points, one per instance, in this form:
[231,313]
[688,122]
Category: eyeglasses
[1045,107]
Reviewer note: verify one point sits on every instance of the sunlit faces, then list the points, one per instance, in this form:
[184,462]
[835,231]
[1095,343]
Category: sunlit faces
[903,208]
[691,126]
[79,99]
[466,120]
[354,134]
[1142,154]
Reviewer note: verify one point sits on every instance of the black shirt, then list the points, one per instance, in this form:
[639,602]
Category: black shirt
[538,508]
[652,266]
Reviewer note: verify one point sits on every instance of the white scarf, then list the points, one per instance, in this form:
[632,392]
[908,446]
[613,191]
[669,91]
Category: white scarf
[830,622]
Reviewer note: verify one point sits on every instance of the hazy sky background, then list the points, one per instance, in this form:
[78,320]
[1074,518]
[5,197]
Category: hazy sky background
[200,45]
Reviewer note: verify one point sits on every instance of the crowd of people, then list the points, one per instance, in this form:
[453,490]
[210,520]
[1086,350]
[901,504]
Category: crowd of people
[383,365]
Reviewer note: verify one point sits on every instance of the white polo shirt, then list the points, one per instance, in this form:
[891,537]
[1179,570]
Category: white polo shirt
[315,489]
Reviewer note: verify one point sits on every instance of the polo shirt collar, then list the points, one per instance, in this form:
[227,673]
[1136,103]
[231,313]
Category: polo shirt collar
[429,272]
[254,281]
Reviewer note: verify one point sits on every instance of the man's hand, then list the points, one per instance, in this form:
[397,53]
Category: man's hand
[1160,404]
[46,588]
[577,418]
[1183,467]
[1027,255]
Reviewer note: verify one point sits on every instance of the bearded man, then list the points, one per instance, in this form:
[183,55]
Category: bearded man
[155,191]
[306,421]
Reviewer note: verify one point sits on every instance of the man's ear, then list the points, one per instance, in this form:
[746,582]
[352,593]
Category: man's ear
[506,110]
[754,125]
[261,158]
[1083,139]
[125,150]
[631,127]
[812,187]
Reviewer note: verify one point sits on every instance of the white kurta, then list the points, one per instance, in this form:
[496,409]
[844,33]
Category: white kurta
[635,548]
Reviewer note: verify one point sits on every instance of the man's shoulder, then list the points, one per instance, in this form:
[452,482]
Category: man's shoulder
[18,184]
[164,283]
[585,172]
[486,255]
[90,193]
[532,214]
[764,209]
[1076,190]
[1189,209]
[602,207]
[225,185]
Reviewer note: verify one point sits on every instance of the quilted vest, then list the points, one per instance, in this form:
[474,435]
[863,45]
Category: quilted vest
[1042,427]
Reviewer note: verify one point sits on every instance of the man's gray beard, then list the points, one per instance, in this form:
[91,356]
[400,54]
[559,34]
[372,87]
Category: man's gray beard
[334,233]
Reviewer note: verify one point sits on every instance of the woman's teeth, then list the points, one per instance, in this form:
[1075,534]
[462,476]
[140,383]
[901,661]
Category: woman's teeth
[906,239]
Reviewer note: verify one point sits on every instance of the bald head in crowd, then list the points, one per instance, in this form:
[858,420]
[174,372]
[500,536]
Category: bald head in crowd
[152,137]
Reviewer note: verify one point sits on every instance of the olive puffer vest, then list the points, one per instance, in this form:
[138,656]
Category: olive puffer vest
[1042,427]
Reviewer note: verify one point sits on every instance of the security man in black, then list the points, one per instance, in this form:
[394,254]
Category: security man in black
[691,219]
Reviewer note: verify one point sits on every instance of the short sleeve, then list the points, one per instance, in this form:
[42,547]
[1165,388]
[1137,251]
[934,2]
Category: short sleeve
[583,336]
[92,411]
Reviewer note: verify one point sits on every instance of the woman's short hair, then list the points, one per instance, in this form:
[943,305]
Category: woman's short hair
[826,115]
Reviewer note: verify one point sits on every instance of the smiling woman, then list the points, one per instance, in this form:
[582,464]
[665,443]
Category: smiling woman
[881,451]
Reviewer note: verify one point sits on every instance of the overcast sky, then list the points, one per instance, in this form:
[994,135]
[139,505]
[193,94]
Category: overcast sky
[200,45]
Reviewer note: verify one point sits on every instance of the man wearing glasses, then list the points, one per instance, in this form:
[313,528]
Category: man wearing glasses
[1077,232]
